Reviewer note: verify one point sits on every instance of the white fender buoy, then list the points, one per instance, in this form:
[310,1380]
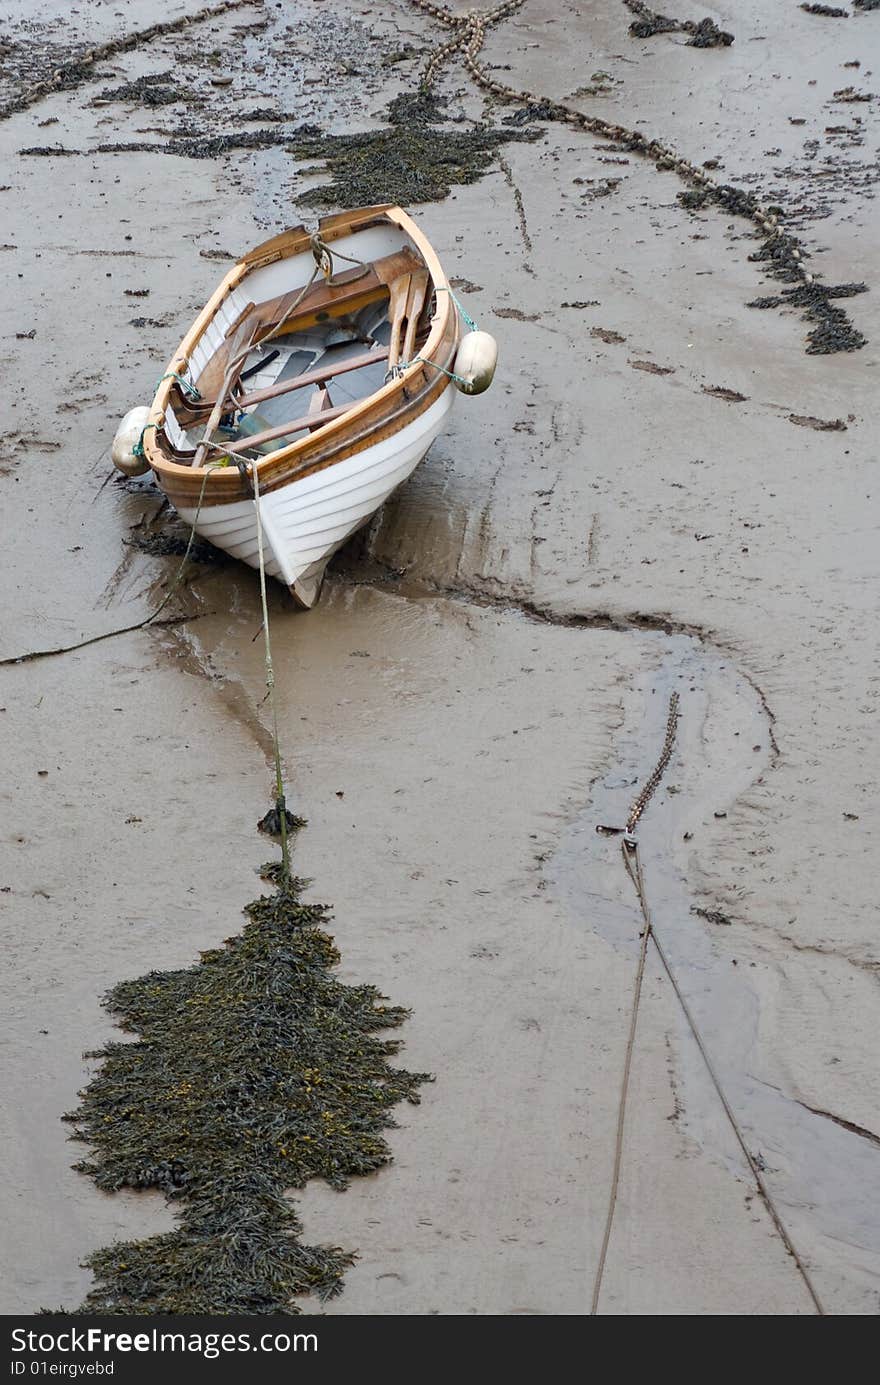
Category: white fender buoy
[475,363]
[128,434]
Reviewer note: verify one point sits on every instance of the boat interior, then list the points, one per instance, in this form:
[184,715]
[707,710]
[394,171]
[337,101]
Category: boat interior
[272,369]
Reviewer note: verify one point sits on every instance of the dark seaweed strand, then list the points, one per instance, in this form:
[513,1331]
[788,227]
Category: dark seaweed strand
[415,158]
[75,73]
[154,89]
[704,33]
[780,252]
[253,1071]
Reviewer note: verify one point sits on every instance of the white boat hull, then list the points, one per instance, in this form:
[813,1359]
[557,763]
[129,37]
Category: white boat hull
[306,521]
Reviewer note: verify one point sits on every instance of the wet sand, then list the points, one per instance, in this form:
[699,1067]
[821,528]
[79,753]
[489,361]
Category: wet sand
[584,539]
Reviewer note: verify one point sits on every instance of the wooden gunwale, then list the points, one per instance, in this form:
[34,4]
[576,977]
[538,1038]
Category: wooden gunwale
[372,420]
[328,446]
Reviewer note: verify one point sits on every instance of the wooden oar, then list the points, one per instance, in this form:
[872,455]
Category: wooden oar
[398,293]
[415,302]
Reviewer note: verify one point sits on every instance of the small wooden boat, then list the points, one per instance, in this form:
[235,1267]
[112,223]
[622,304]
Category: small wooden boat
[312,384]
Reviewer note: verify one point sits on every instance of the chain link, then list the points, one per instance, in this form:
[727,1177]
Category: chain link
[649,788]
[470,34]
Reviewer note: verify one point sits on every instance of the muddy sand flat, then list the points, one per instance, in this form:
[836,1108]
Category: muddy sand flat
[663,492]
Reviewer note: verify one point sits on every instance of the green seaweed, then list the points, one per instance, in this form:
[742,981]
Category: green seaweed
[418,156]
[415,158]
[154,89]
[166,545]
[254,1071]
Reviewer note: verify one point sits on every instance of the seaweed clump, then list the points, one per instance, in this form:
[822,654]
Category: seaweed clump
[832,330]
[704,33]
[414,158]
[175,546]
[253,1071]
[156,89]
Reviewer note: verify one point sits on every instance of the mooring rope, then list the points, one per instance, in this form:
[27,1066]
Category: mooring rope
[631,858]
[189,389]
[621,1116]
[280,803]
[632,862]
[403,366]
[462,311]
[138,624]
[763,1189]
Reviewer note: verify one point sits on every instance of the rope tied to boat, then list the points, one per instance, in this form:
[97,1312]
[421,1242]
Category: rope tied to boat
[324,256]
[187,386]
[138,449]
[231,457]
[463,313]
[396,371]
[423,360]
[138,624]
[403,366]
[280,801]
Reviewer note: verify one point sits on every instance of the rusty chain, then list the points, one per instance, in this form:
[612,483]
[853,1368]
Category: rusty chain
[651,784]
[469,34]
[81,68]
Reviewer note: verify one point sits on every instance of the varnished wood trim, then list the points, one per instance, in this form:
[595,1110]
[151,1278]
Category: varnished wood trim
[372,420]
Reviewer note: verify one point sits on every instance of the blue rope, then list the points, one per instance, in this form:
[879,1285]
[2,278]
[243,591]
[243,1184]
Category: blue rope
[472,326]
[421,360]
[185,385]
[138,449]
